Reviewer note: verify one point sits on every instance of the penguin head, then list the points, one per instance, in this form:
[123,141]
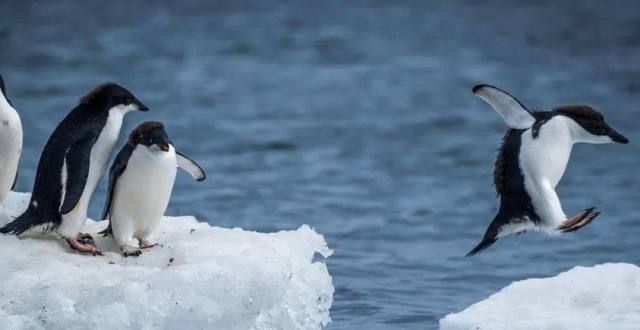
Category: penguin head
[152,135]
[592,126]
[112,97]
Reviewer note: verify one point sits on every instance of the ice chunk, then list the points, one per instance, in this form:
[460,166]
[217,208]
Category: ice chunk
[601,297]
[202,278]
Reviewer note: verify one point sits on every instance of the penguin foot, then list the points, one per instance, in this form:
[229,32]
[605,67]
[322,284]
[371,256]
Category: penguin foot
[84,244]
[144,244]
[582,219]
[135,253]
[86,239]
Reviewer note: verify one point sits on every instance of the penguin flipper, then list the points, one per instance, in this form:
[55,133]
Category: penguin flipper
[514,113]
[76,161]
[190,166]
[118,167]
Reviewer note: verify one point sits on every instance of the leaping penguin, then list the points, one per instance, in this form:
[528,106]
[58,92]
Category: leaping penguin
[73,162]
[10,143]
[140,184]
[531,161]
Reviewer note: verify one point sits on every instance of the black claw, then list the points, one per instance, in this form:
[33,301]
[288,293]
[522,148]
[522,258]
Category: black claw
[136,253]
[86,239]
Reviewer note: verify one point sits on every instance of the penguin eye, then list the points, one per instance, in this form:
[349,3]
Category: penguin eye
[601,131]
[127,100]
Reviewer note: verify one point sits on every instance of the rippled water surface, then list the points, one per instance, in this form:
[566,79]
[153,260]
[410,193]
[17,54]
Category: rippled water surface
[355,118]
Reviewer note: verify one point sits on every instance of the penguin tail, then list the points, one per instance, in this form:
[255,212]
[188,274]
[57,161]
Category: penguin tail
[483,245]
[490,236]
[22,223]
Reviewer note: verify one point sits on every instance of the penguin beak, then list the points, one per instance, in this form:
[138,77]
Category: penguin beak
[141,106]
[617,137]
[164,146]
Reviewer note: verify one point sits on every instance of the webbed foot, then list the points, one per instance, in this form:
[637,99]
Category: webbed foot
[135,253]
[145,244]
[582,219]
[84,243]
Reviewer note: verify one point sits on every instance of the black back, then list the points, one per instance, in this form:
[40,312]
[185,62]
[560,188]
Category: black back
[83,123]
[509,180]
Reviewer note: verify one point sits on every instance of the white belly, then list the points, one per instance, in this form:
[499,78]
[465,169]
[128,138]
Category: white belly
[10,148]
[100,154]
[142,194]
[543,161]
[546,157]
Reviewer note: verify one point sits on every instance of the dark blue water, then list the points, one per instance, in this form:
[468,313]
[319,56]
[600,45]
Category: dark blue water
[355,118]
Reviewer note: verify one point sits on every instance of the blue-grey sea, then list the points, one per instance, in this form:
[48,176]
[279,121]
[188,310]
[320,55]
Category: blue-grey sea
[357,118]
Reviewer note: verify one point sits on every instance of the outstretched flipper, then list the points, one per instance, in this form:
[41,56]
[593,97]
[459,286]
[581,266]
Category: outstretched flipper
[514,113]
[75,170]
[190,166]
[582,219]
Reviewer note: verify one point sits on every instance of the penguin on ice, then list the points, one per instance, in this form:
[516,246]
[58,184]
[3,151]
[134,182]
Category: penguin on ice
[531,161]
[73,162]
[10,143]
[140,184]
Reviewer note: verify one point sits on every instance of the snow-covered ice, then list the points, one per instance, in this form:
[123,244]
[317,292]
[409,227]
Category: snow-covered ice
[202,278]
[605,296]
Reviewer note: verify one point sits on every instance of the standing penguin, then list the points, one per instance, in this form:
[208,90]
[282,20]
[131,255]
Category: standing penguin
[531,161]
[73,162]
[140,184]
[10,143]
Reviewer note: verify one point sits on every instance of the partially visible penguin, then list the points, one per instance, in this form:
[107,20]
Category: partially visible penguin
[10,143]
[73,162]
[140,184]
[531,161]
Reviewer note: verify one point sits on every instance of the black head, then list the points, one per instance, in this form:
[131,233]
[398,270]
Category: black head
[592,121]
[111,95]
[150,134]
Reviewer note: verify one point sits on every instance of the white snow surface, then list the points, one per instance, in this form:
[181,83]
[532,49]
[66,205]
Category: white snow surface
[202,277]
[605,296]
